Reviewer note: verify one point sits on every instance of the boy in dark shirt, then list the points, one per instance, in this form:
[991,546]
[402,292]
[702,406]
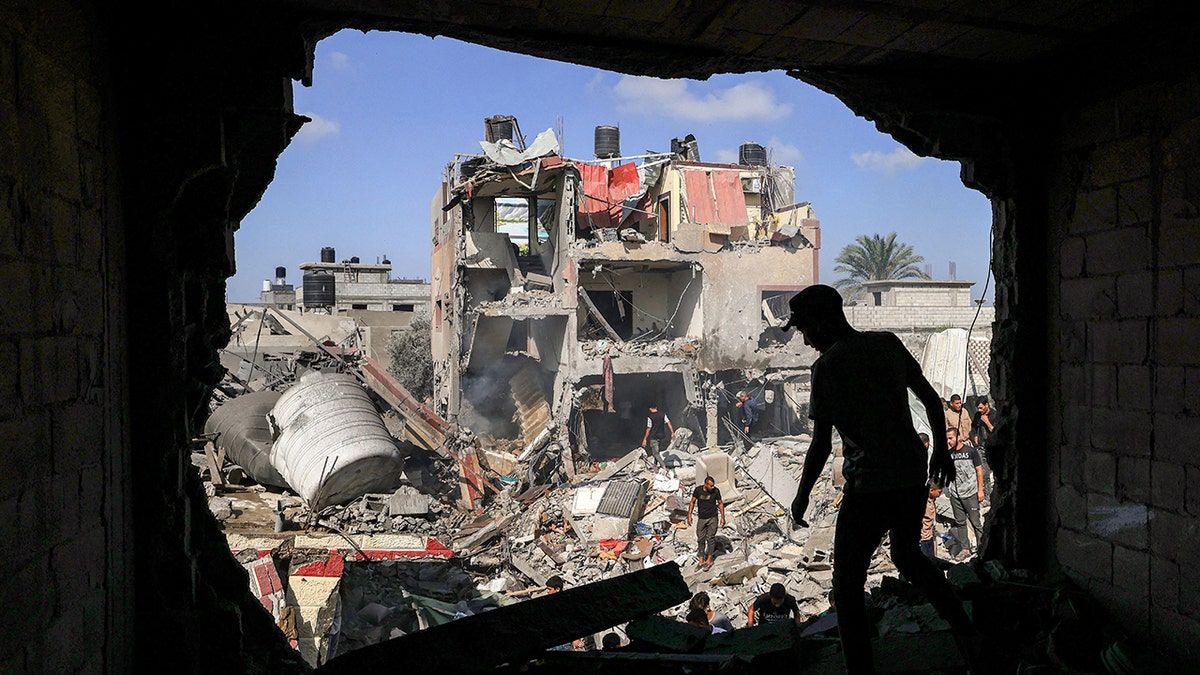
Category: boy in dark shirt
[773,606]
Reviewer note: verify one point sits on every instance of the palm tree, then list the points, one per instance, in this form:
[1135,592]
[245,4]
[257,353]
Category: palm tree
[875,258]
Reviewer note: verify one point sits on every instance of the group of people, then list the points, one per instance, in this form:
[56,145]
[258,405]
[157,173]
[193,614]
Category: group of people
[966,438]
[892,477]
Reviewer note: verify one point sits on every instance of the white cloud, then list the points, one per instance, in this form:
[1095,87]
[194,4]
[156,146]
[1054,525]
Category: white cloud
[887,162]
[339,61]
[593,85]
[784,153]
[674,98]
[317,129]
[726,156]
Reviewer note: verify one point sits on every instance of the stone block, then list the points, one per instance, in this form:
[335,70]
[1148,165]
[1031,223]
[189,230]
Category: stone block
[739,233]
[1164,582]
[1135,387]
[1135,294]
[1169,300]
[1072,508]
[1193,489]
[1103,392]
[1072,258]
[1178,245]
[1124,431]
[1171,535]
[1118,521]
[1135,203]
[1089,298]
[1121,160]
[689,238]
[1118,251]
[1100,472]
[1168,485]
[1094,210]
[1175,342]
[1169,386]
[1073,340]
[1175,437]
[1118,341]
[1133,479]
[1131,571]
[1084,556]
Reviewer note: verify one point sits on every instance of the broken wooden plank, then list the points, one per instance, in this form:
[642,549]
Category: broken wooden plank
[485,533]
[214,466]
[617,466]
[553,555]
[521,631]
[591,308]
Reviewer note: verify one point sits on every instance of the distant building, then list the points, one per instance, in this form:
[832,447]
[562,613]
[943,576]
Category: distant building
[341,287]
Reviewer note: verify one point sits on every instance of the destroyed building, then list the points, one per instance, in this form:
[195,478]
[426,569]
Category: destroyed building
[581,291]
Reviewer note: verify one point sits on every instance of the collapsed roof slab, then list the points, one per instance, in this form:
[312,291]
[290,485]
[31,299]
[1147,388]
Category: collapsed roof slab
[519,632]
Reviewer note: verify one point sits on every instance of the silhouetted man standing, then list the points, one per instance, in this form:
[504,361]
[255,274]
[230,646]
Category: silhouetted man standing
[884,464]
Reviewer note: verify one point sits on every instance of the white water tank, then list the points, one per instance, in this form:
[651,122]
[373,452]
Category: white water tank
[331,444]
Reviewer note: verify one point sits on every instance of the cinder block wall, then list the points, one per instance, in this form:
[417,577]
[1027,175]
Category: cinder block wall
[1126,320]
[66,588]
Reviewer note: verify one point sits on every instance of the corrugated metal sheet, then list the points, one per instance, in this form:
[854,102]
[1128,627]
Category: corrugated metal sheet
[715,196]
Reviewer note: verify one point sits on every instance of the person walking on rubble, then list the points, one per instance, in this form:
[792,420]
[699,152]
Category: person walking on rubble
[749,406]
[708,496]
[885,465]
[658,429]
[966,493]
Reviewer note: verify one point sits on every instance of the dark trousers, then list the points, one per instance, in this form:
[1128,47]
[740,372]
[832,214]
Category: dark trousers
[706,536]
[966,509]
[927,548]
[654,445]
[861,524]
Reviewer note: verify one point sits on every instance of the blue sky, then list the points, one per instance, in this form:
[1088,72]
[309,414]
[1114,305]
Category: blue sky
[391,109]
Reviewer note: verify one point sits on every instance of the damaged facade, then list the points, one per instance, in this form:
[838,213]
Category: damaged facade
[584,290]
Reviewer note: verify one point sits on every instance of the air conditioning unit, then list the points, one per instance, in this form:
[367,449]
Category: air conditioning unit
[752,185]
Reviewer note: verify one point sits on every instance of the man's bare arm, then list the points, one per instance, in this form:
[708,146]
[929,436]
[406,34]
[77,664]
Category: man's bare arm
[814,463]
[941,467]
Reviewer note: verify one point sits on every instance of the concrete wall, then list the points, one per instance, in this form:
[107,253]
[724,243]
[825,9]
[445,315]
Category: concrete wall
[67,588]
[1125,312]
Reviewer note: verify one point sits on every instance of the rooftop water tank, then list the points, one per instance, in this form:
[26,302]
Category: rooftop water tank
[499,127]
[608,142]
[319,289]
[280,273]
[332,445]
[752,154]
[328,255]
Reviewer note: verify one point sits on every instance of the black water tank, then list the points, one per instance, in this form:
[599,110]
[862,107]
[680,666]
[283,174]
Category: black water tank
[498,127]
[280,272]
[608,142]
[752,154]
[328,254]
[354,259]
[319,289]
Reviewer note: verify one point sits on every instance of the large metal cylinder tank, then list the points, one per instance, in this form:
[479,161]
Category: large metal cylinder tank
[752,154]
[331,444]
[244,431]
[319,289]
[608,142]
